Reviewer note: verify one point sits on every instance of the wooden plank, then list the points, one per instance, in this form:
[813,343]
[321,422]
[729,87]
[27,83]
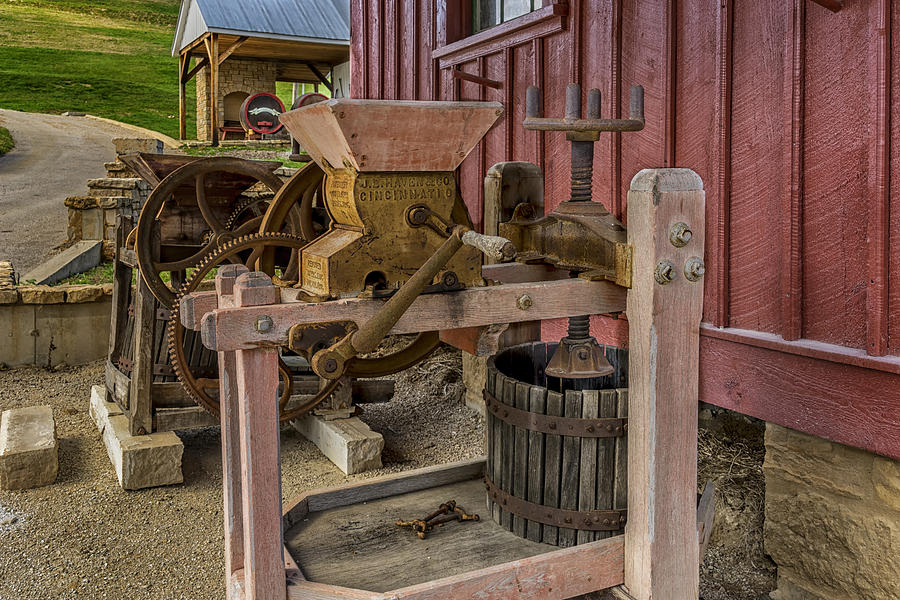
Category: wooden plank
[661,545]
[844,403]
[234,46]
[391,485]
[183,61]
[552,466]
[492,465]
[233,328]
[496,453]
[188,417]
[507,448]
[139,409]
[213,51]
[561,574]
[590,468]
[606,457]
[520,456]
[117,384]
[537,404]
[571,461]
[121,292]
[620,483]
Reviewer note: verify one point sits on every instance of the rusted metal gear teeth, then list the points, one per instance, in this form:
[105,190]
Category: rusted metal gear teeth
[241,207]
[175,330]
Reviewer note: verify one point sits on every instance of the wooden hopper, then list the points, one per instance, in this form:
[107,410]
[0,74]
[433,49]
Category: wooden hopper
[390,135]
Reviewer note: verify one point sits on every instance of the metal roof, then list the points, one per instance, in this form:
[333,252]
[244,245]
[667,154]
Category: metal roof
[297,20]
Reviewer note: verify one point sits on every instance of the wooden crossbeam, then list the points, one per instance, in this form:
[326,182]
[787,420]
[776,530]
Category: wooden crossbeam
[237,44]
[200,64]
[319,74]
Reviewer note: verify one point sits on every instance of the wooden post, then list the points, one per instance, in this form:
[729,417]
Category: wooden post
[256,374]
[183,61]
[139,409]
[212,50]
[232,495]
[664,309]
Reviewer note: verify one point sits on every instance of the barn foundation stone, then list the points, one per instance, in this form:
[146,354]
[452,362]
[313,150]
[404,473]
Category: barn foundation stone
[832,519]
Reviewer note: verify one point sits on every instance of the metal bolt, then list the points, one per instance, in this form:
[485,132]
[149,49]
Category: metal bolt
[263,324]
[694,268]
[665,272]
[582,355]
[524,302]
[330,365]
[680,234]
[418,215]
[450,279]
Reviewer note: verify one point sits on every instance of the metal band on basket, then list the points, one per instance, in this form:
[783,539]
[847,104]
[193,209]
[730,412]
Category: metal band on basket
[585,520]
[573,426]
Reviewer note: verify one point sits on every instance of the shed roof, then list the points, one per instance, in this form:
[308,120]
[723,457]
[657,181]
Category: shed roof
[322,21]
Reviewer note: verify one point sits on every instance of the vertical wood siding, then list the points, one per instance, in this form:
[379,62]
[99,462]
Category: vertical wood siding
[783,108]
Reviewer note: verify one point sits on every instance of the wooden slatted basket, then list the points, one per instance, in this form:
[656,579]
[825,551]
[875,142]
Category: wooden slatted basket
[557,449]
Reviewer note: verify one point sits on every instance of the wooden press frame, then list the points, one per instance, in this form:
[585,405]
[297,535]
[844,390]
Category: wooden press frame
[657,557]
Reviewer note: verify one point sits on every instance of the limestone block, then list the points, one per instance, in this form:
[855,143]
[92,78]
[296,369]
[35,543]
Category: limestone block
[832,519]
[28,448]
[9,296]
[74,225]
[42,294]
[134,145]
[92,224]
[348,443]
[76,294]
[142,461]
[107,289]
[474,371]
[100,409]
[80,202]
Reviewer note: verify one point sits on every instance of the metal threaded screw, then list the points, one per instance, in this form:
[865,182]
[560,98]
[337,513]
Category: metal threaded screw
[680,235]
[263,324]
[665,272]
[694,268]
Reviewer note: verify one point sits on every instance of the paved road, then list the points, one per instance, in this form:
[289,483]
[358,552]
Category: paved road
[53,158]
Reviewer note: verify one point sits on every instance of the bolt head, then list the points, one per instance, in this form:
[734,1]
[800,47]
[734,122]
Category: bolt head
[524,302]
[694,268]
[330,365]
[665,272]
[680,234]
[263,324]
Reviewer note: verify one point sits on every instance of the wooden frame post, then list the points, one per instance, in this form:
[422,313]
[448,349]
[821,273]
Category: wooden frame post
[664,310]
[184,60]
[232,495]
[140,413]
[256,374]
[212,51]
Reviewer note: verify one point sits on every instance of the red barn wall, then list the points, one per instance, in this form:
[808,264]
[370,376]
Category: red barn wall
[783,108]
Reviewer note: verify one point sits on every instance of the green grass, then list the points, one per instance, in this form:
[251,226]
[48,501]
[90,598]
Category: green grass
[228,150]
[104,273]
[6,141]
[105,57]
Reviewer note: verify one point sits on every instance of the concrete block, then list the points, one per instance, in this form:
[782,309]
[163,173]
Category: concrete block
[77,258]
[71,333]
[348,443]
[100,409]
[28,448]
[92,224]
[142,461]
[133,145]
[17,335]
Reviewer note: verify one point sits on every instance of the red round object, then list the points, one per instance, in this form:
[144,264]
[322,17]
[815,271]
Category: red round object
[260,112]
[307,99]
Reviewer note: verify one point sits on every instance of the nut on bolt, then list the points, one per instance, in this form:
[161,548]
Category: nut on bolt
[665,272]
[694,268]
[680,234]
[263,324]
[524,302]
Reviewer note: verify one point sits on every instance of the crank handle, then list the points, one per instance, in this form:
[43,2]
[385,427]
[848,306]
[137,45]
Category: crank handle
[493,246]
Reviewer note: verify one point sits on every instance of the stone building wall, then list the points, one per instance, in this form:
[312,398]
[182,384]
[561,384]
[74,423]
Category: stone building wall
[832,519]
[235,75]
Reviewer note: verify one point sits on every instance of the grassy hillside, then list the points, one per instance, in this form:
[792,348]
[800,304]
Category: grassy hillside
[106,57]
[6,141]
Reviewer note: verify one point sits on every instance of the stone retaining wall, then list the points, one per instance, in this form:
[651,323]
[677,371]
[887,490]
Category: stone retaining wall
[49,326]
[832,519]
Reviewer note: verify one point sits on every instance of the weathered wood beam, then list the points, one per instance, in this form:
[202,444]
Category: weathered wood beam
[183,60]
[237,44]
[234,328]
[213,52]
[200,64]
[319,74]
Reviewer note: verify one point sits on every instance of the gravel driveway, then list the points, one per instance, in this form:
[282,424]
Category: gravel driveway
[53,158]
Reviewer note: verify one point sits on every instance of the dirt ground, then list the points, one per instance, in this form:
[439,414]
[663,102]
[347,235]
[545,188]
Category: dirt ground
[84,537]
